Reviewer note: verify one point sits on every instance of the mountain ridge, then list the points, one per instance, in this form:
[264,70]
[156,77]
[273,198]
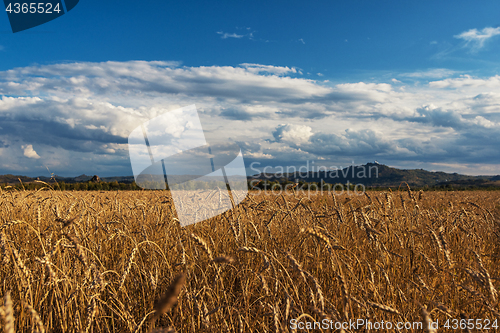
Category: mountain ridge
[380,175]
[369,174]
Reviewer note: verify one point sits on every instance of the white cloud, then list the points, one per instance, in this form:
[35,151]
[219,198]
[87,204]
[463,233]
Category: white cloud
[229,35]
[293,134]
[468,81]
[30,152]
[476,39]
[433,73]
[248,34]
[278,70]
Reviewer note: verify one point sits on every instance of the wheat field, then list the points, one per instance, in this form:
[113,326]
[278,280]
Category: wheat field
[120,262]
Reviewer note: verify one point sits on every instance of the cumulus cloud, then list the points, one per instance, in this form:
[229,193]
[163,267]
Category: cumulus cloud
[248,112]
[29,151]
[438,117]
[452,119]
[293,134]
[477,39]
[367,143]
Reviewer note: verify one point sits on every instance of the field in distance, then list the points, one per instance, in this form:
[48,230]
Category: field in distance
[120,262]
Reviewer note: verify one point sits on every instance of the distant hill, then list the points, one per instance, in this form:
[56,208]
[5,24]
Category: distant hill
[379,175]
[370,175]
[11,179]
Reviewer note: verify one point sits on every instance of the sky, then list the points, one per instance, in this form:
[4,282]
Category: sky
[408,84]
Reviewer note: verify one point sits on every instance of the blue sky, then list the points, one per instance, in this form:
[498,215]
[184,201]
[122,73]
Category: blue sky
[336,38]
[410,84]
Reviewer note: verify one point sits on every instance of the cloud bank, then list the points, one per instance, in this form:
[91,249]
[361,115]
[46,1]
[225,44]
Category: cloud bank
[75,118]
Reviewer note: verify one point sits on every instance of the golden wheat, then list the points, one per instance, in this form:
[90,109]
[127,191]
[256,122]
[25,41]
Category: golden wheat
[97,261]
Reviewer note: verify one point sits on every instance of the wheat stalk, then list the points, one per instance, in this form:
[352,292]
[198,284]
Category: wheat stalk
[8,313]
[80,252]
[36,318]
[20,265]
[4,248]
[384,307]
[170,296]
[487,279]
[129,266]
[91,313]
[224,260]
[201,242]
[427,321]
